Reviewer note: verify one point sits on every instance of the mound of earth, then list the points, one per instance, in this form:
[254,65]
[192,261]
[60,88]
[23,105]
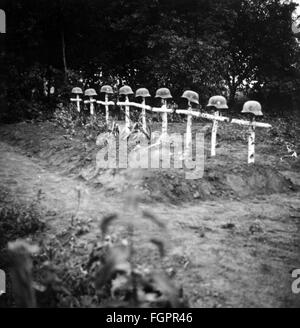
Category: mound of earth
[241,182]
[223,177]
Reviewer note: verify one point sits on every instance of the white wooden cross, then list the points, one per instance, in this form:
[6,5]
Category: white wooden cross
[106,103]
[164,116]
[251,137]
[126,91]
[218,102]
[143,93]
[77,100]
[254,109]
[91,93]
[188,136]
[107,89]
[164,94]
[192,97]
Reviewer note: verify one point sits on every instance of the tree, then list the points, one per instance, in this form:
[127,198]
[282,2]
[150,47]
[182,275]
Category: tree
[219,46]
[261,45]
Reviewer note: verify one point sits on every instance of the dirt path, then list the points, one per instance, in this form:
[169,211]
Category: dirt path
[225,253]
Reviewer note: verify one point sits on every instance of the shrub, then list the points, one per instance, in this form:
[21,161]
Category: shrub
[66,117]
[74,123]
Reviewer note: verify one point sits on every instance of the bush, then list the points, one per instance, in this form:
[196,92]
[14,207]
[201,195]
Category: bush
[67,118]
[74,123]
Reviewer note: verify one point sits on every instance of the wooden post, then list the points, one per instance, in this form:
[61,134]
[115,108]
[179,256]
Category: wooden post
[127,113]
[251,143]
[188,136]
[164,116]
[188,140]
[77,100]
[92,108]
[144,122]
[214,135]
[106,109]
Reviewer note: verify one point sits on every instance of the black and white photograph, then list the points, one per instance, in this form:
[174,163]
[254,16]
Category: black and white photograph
[149,156]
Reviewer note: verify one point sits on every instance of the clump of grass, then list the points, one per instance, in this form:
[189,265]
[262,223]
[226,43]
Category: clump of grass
[19,221]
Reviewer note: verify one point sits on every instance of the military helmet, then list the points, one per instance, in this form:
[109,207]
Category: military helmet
[191,96]
[219,102]
[77,91]
[106,89]
[142,92]
[125,90]
[163,93]
[90,92]
[253,107]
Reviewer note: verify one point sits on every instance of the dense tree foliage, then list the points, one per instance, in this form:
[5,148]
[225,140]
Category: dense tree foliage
[211,46]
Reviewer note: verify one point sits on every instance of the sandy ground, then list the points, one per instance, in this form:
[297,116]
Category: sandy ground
[228,249]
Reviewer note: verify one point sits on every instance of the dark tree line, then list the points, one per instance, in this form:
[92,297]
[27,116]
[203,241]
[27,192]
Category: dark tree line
[232,47]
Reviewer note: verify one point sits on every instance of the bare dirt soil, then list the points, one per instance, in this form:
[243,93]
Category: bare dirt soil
[233,237]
